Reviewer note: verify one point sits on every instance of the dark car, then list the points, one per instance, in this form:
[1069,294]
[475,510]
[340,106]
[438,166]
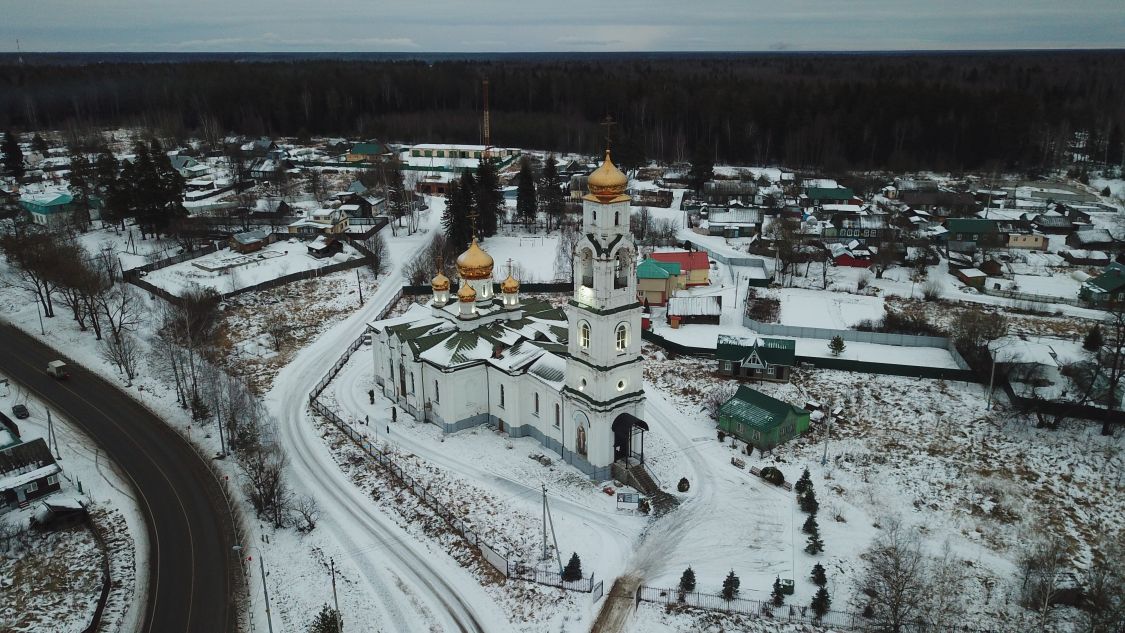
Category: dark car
[21,412]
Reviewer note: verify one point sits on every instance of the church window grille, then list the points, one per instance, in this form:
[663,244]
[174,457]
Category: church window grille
[558,415]
[437,392]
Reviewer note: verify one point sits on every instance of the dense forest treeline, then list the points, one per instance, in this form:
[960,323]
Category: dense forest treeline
[937,111]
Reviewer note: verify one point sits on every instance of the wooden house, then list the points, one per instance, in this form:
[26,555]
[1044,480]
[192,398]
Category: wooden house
[760,420]
[28,472]
[694,265]
[325,246]
[367,153]
[250,241]
[1108,286]
[656,281]
[707,309]
[756,358]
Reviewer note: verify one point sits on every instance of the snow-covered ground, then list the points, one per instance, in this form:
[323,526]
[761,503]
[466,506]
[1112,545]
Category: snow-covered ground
[833,310]
[226,271]
[532,256]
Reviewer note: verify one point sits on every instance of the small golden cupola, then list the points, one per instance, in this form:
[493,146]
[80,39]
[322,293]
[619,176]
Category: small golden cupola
[474,263]
[607,182]
[440,282]
[510,285]
[466,294]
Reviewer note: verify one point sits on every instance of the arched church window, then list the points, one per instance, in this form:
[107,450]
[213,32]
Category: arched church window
[536,404]
[583,334]
[622,337]
[616,218]
[558,415]
[587,268]
[501,395]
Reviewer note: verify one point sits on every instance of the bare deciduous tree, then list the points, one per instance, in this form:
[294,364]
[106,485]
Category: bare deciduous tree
[308,511]
[265,486]
[894,579]
[123,352]
[564,253]
[1040,564]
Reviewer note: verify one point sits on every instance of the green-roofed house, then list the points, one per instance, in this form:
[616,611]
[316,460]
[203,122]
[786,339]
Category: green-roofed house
[49,209]
[656,281]
[966,235]
[1106,287]
[818,196]
[756,358]
[367,152]
[761,421]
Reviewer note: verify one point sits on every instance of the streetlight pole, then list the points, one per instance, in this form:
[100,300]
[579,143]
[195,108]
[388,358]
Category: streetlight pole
[265,590]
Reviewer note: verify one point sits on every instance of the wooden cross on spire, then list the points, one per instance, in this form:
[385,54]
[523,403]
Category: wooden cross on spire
[608,124]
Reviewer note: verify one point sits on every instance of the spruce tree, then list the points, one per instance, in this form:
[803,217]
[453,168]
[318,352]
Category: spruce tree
[526,202]
[730,586]
[702,168]
[807,500]
[837,345]
[804,483]
[777,596]
[489,199]
[818,576]
[551,193]
[811,526]
[455,218]
[38,144]
[1094,339]
[12,155]
[82,184]
[327,621]
[821,602]
[573,569]
[687,580]
[815,545]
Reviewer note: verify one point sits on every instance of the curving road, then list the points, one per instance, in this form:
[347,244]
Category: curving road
[191,578]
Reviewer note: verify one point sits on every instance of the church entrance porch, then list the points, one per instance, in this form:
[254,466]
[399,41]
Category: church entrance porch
[627,446]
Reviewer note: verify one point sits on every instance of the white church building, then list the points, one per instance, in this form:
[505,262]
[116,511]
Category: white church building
[569,377]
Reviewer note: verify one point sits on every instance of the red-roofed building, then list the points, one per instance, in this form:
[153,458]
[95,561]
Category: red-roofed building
[694,265]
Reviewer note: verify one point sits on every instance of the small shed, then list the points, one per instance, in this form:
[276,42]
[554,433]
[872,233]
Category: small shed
[325,246]
[761,421]
[249,241]
[696,309]
[973,277]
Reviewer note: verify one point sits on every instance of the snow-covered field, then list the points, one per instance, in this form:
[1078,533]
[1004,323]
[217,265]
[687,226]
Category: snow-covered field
[833,310]
[532,256]
[276,260]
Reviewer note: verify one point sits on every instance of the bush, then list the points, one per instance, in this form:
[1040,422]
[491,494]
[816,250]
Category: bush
[773,475]
[683,485]
[722,436]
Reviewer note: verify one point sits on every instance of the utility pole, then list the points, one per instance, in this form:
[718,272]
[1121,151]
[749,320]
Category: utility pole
[827,436]
[265,590]
[51,439]
[359,285]
[335,600]
[39,311]
[219,421]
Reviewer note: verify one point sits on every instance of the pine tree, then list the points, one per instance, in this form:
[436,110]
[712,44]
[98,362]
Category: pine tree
[12,155]
[573,569]
[82,183]
[38,144]
[327,621]
[807,500]
[837,345]
[818,576]
[815,545]
[398,198]
[730,586]
[804,483]
[702,168]
[811,526]
[526,202]
[1094,339]
[777,597]
[821,602]
[455,218]
[489,199]
[551,193]
[687,581]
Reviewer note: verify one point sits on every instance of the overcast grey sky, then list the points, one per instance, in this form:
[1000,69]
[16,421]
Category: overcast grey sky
[554,25]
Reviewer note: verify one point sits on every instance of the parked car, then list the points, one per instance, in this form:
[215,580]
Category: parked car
[57,369]
[21,412]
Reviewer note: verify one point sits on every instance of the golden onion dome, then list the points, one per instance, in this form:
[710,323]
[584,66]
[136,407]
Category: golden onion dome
[474,263]
[607,181]
[466,294]
[440,282]
[509,285]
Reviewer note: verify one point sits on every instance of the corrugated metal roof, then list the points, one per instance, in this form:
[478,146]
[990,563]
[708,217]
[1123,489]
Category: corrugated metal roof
[756,409]
[696,306]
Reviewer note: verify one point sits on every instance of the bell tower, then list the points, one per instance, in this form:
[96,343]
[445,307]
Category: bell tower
[603,369]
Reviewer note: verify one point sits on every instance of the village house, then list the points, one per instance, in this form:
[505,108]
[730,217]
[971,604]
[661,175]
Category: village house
[369,152]
[325,246]
[1028,241]
[250,241]
[1106,287]
[188,167]
[733,222]
[723,192]
[1092,239]
[851,255]
[330,221]
[1053,223]
[1080,257]
[761,421]
[52,210]
[818,196]
[966,235]
[756,358]
[695,267]
[943,203]
[657,281]
[28,472]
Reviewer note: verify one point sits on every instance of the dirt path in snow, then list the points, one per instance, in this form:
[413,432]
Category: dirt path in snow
[618,606]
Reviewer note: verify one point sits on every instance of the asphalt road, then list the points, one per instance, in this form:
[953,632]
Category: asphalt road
[191,577]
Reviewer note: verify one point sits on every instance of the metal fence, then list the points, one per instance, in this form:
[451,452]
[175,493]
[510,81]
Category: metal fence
[880,338]
[841,620]
[1036,299]
[491,554]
